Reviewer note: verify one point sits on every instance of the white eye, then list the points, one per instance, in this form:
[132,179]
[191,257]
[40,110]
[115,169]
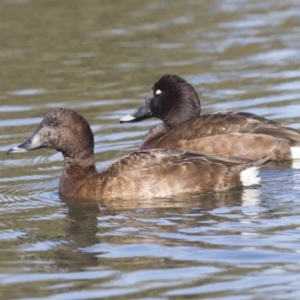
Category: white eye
[157,92]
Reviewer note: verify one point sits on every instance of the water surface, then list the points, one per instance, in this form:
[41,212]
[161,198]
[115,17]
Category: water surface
[101,58]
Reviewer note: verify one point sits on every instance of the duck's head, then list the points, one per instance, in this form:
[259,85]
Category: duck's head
[63,130]
[172,99]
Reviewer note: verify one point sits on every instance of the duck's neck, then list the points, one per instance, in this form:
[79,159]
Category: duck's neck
[78,176]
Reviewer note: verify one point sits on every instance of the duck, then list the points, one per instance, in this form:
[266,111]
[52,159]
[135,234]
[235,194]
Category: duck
[142,174]
[176,103]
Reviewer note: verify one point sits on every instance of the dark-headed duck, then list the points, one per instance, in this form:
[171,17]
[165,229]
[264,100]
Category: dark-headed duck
[147,174]
[176,103]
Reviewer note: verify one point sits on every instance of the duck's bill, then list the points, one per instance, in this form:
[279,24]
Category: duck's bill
[32,143]
[140,114]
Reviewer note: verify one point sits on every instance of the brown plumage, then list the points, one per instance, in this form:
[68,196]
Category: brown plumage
[176,103]
[142,174]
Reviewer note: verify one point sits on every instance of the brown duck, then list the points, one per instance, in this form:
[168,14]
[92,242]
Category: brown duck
[176,103]
[147,174]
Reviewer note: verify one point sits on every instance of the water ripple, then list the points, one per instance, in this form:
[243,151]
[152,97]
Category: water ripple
[102,60]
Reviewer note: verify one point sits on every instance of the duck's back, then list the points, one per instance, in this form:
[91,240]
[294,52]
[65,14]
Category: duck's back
[231,133]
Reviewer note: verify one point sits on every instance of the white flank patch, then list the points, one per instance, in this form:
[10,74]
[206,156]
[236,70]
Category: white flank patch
[295,152]
[249,176]
[127,118]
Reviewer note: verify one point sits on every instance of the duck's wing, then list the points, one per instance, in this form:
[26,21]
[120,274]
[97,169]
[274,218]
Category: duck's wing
[247,115]
[165,172]
[146,159]
[234,122]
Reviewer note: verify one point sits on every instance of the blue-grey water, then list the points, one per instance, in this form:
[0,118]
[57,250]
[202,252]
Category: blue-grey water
[101,58]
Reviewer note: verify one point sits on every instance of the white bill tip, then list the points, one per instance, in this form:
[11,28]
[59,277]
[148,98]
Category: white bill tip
[127,118]
[17,150]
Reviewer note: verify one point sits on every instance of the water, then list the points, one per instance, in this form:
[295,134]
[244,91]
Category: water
[101,58]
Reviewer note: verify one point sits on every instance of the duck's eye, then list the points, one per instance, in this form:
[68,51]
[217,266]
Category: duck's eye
[158,92]
[55,124]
